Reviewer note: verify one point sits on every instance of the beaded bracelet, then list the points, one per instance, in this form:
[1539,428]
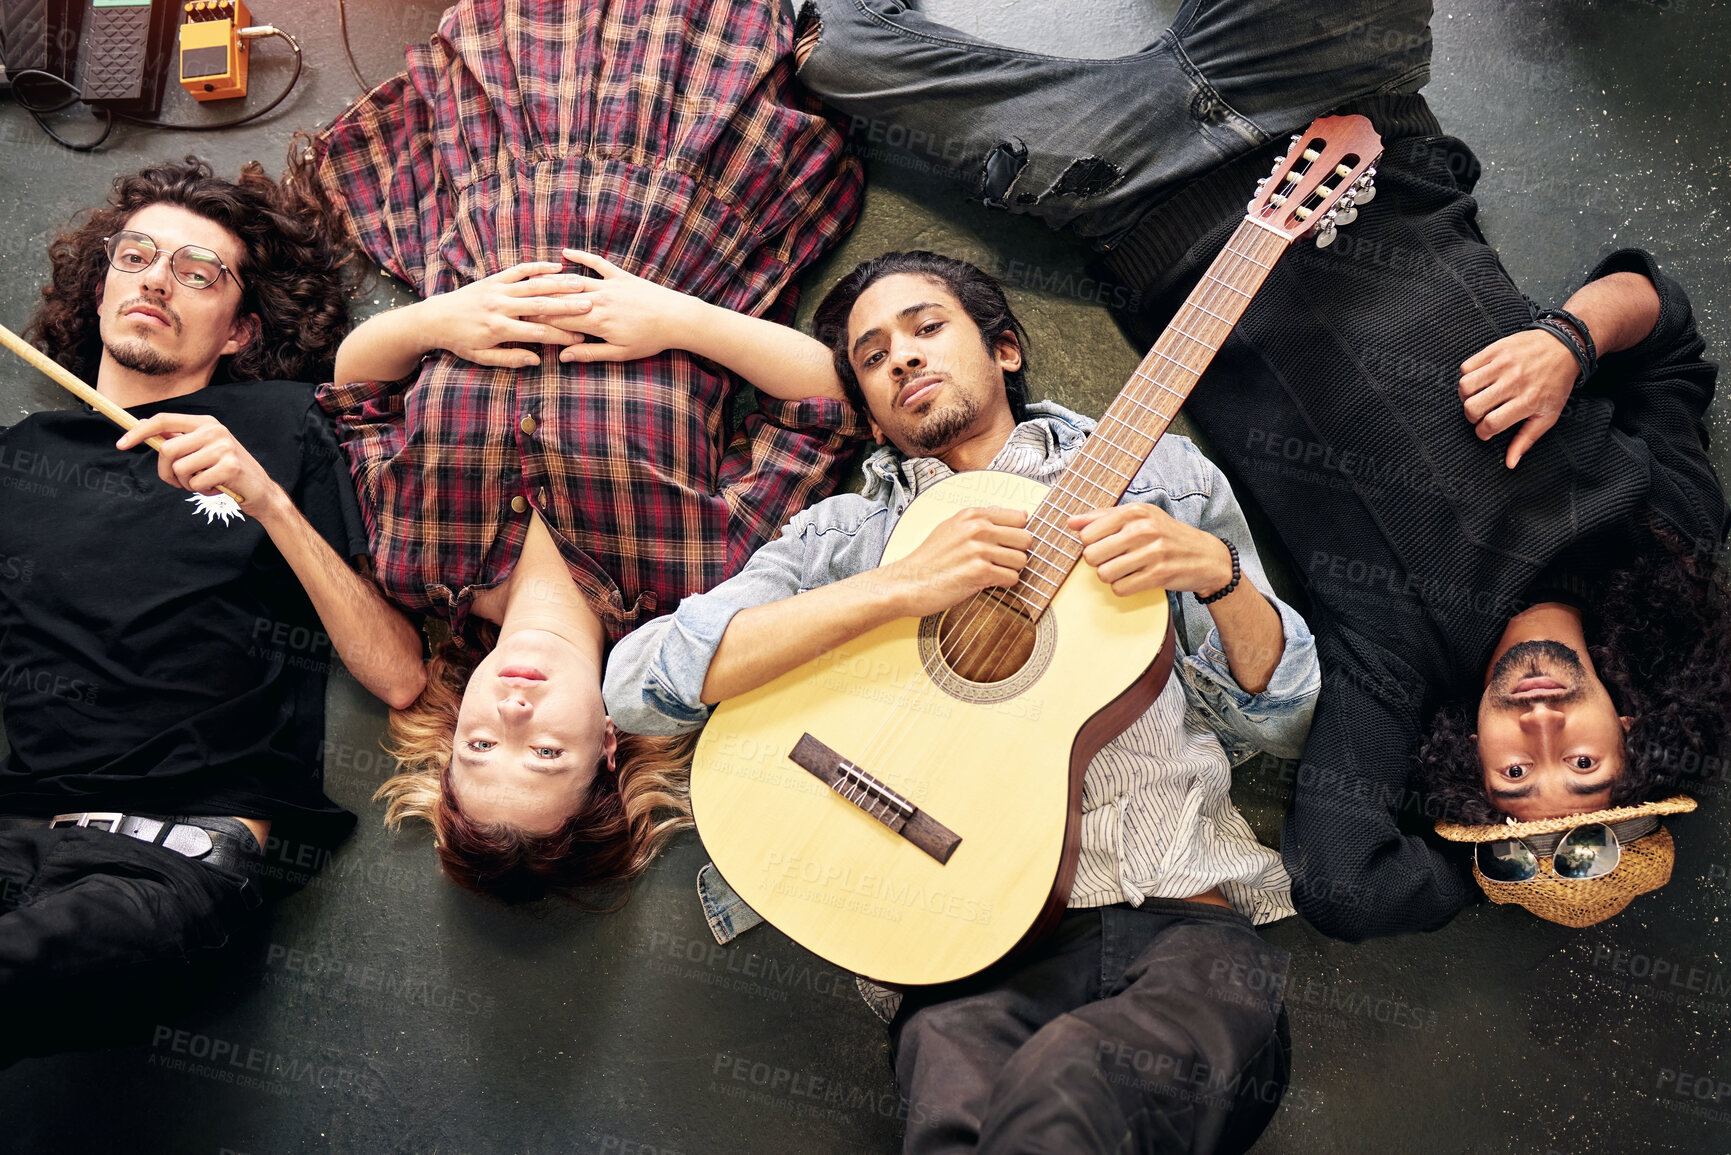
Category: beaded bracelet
[1229,586]
[1573,333]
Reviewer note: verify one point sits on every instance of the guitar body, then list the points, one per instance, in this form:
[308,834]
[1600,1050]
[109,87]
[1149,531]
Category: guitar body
[998,763]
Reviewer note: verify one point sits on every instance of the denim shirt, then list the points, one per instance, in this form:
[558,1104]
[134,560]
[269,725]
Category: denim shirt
[655,675]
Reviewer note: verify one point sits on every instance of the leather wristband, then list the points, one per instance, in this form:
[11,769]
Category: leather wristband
[1576,338]
[1237,573]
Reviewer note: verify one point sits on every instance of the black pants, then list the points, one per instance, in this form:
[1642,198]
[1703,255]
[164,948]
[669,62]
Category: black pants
[1156,1028]
[102,935]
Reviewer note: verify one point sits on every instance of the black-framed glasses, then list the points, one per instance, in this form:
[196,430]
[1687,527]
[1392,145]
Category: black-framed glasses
[1590,850]
[194,266]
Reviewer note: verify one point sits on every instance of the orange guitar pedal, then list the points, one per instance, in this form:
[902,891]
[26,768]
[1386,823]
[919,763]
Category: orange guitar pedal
[213,54]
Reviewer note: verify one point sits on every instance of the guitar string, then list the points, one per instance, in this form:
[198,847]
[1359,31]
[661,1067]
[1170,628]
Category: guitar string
[1064,497]
[1086,466]
[881,743]
[1090,467]
[1093,463]
[977,621]
[1211,291]
[899,722]
[982,622]
[1087,470]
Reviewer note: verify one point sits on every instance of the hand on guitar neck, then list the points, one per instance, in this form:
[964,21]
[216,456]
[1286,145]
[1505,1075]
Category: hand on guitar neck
[973,550]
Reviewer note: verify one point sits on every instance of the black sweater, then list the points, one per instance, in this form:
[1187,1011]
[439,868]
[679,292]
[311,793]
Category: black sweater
[1334,404]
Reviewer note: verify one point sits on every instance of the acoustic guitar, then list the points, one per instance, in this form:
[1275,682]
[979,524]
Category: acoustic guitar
[908,806]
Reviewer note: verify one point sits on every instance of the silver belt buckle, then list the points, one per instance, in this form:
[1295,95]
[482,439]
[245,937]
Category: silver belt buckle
[112,817]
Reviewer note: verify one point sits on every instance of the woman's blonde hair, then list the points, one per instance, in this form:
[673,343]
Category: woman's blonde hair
[626,818]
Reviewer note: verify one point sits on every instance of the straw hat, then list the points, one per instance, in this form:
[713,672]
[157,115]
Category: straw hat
[1644,865]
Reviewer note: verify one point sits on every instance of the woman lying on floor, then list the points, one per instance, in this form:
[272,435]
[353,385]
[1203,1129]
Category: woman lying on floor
[544,505]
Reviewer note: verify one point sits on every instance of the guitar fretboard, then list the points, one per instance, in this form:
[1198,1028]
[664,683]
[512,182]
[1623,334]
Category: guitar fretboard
[1126,435]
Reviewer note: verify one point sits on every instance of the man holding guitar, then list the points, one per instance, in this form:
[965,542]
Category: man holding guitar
[1153,1009]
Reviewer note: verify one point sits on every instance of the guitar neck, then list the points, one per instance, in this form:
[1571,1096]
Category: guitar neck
[1134,423]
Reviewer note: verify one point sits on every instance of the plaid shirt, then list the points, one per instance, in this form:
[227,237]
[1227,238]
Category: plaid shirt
[526,126]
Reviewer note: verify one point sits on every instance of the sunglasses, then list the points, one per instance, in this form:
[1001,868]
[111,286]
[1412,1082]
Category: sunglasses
[1587,851]
[194,266]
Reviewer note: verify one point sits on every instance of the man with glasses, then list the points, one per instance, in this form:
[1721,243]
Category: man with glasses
[163,673]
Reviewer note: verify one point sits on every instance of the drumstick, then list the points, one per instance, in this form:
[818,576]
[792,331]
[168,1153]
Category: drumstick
[57,372]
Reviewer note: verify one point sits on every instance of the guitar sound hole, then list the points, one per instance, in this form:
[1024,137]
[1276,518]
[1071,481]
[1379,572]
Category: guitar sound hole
[984,640]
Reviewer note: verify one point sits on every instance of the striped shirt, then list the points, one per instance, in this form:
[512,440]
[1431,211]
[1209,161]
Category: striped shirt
[1157,815]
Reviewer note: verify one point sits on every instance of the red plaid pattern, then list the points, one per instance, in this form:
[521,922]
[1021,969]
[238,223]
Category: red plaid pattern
[667,136]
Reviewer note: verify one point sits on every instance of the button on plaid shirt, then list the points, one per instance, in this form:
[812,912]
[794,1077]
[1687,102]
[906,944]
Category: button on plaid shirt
[667,137]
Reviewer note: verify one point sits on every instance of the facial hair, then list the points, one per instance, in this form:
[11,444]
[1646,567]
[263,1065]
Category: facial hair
[1523,660]
[137,354]
[939,427]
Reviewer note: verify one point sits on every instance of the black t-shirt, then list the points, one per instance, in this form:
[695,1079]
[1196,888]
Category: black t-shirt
[150,659]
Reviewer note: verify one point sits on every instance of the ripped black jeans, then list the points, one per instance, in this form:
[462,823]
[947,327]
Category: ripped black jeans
[1091,144]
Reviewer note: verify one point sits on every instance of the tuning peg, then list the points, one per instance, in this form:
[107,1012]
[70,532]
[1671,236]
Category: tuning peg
[1347,215]
[1295,138]
[1365,186]
[1325,237]
[1260,185]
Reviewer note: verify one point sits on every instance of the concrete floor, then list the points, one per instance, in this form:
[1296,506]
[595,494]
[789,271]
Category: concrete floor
[395,1014]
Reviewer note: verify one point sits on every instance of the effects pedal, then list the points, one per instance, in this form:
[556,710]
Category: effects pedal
[125,54]
[213,55]
[40,34]
[115,48]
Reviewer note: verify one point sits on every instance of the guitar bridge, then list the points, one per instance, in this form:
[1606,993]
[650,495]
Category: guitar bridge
[872,796]
[860,787]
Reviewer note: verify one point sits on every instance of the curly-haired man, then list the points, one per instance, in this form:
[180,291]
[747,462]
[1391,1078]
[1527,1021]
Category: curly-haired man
[163,673]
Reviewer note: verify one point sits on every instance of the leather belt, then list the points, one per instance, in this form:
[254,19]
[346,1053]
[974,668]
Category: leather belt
[222,842]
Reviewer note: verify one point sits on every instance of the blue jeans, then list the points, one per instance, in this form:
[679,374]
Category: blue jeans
[1092,144]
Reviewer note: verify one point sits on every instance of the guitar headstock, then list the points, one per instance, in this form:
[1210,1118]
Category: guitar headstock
[1329,170]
